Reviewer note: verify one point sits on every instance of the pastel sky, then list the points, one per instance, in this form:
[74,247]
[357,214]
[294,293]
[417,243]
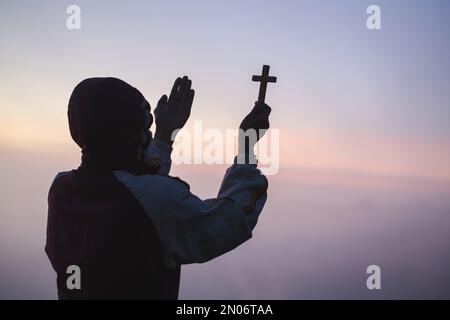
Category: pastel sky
[346,97]
[363,117]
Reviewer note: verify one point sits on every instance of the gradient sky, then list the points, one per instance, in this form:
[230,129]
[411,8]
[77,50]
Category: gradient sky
[346,98]
[356,109]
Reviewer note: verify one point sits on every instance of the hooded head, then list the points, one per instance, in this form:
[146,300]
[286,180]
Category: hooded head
[110,121]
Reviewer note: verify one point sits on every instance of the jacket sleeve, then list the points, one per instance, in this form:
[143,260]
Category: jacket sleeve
[192,230]
[158,154]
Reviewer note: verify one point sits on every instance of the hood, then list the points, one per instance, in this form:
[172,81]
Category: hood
[110,121]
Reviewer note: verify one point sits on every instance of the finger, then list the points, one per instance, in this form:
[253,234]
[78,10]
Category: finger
[181,88]
[261,106]
[263,121]
[260,109]
[179,95]
[174,93]
[267,110]
[190,100]
[161,104]
[186,90]
[162,101]
[256,108]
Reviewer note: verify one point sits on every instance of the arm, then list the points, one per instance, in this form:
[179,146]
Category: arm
[192,230]
[158,155]
[195,231]
[171,114]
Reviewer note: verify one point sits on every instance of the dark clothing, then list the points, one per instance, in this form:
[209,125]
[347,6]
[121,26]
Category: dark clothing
[96,223]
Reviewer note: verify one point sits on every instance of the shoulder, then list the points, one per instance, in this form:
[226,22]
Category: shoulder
[152,185]
[60,177]
[58,184]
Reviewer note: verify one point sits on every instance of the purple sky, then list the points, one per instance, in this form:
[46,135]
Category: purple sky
[363,119]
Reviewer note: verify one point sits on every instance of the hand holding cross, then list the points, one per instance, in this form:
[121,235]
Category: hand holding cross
[257,119]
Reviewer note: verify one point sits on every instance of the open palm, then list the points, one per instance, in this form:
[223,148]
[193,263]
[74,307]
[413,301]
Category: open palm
[173,112]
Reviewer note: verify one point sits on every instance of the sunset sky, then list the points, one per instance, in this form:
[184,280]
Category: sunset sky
[346,97]
[355,108]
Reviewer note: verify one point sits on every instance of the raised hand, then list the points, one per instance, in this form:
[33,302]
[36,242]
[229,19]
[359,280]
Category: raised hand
[173,112]
[253,126]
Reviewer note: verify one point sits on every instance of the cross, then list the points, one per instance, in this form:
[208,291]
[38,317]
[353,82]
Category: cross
[264,79]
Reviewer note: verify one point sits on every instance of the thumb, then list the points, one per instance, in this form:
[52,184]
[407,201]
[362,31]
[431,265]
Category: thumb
[262,107]
[161,103]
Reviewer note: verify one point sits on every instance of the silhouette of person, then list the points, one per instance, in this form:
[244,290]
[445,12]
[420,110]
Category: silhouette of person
[120,217]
